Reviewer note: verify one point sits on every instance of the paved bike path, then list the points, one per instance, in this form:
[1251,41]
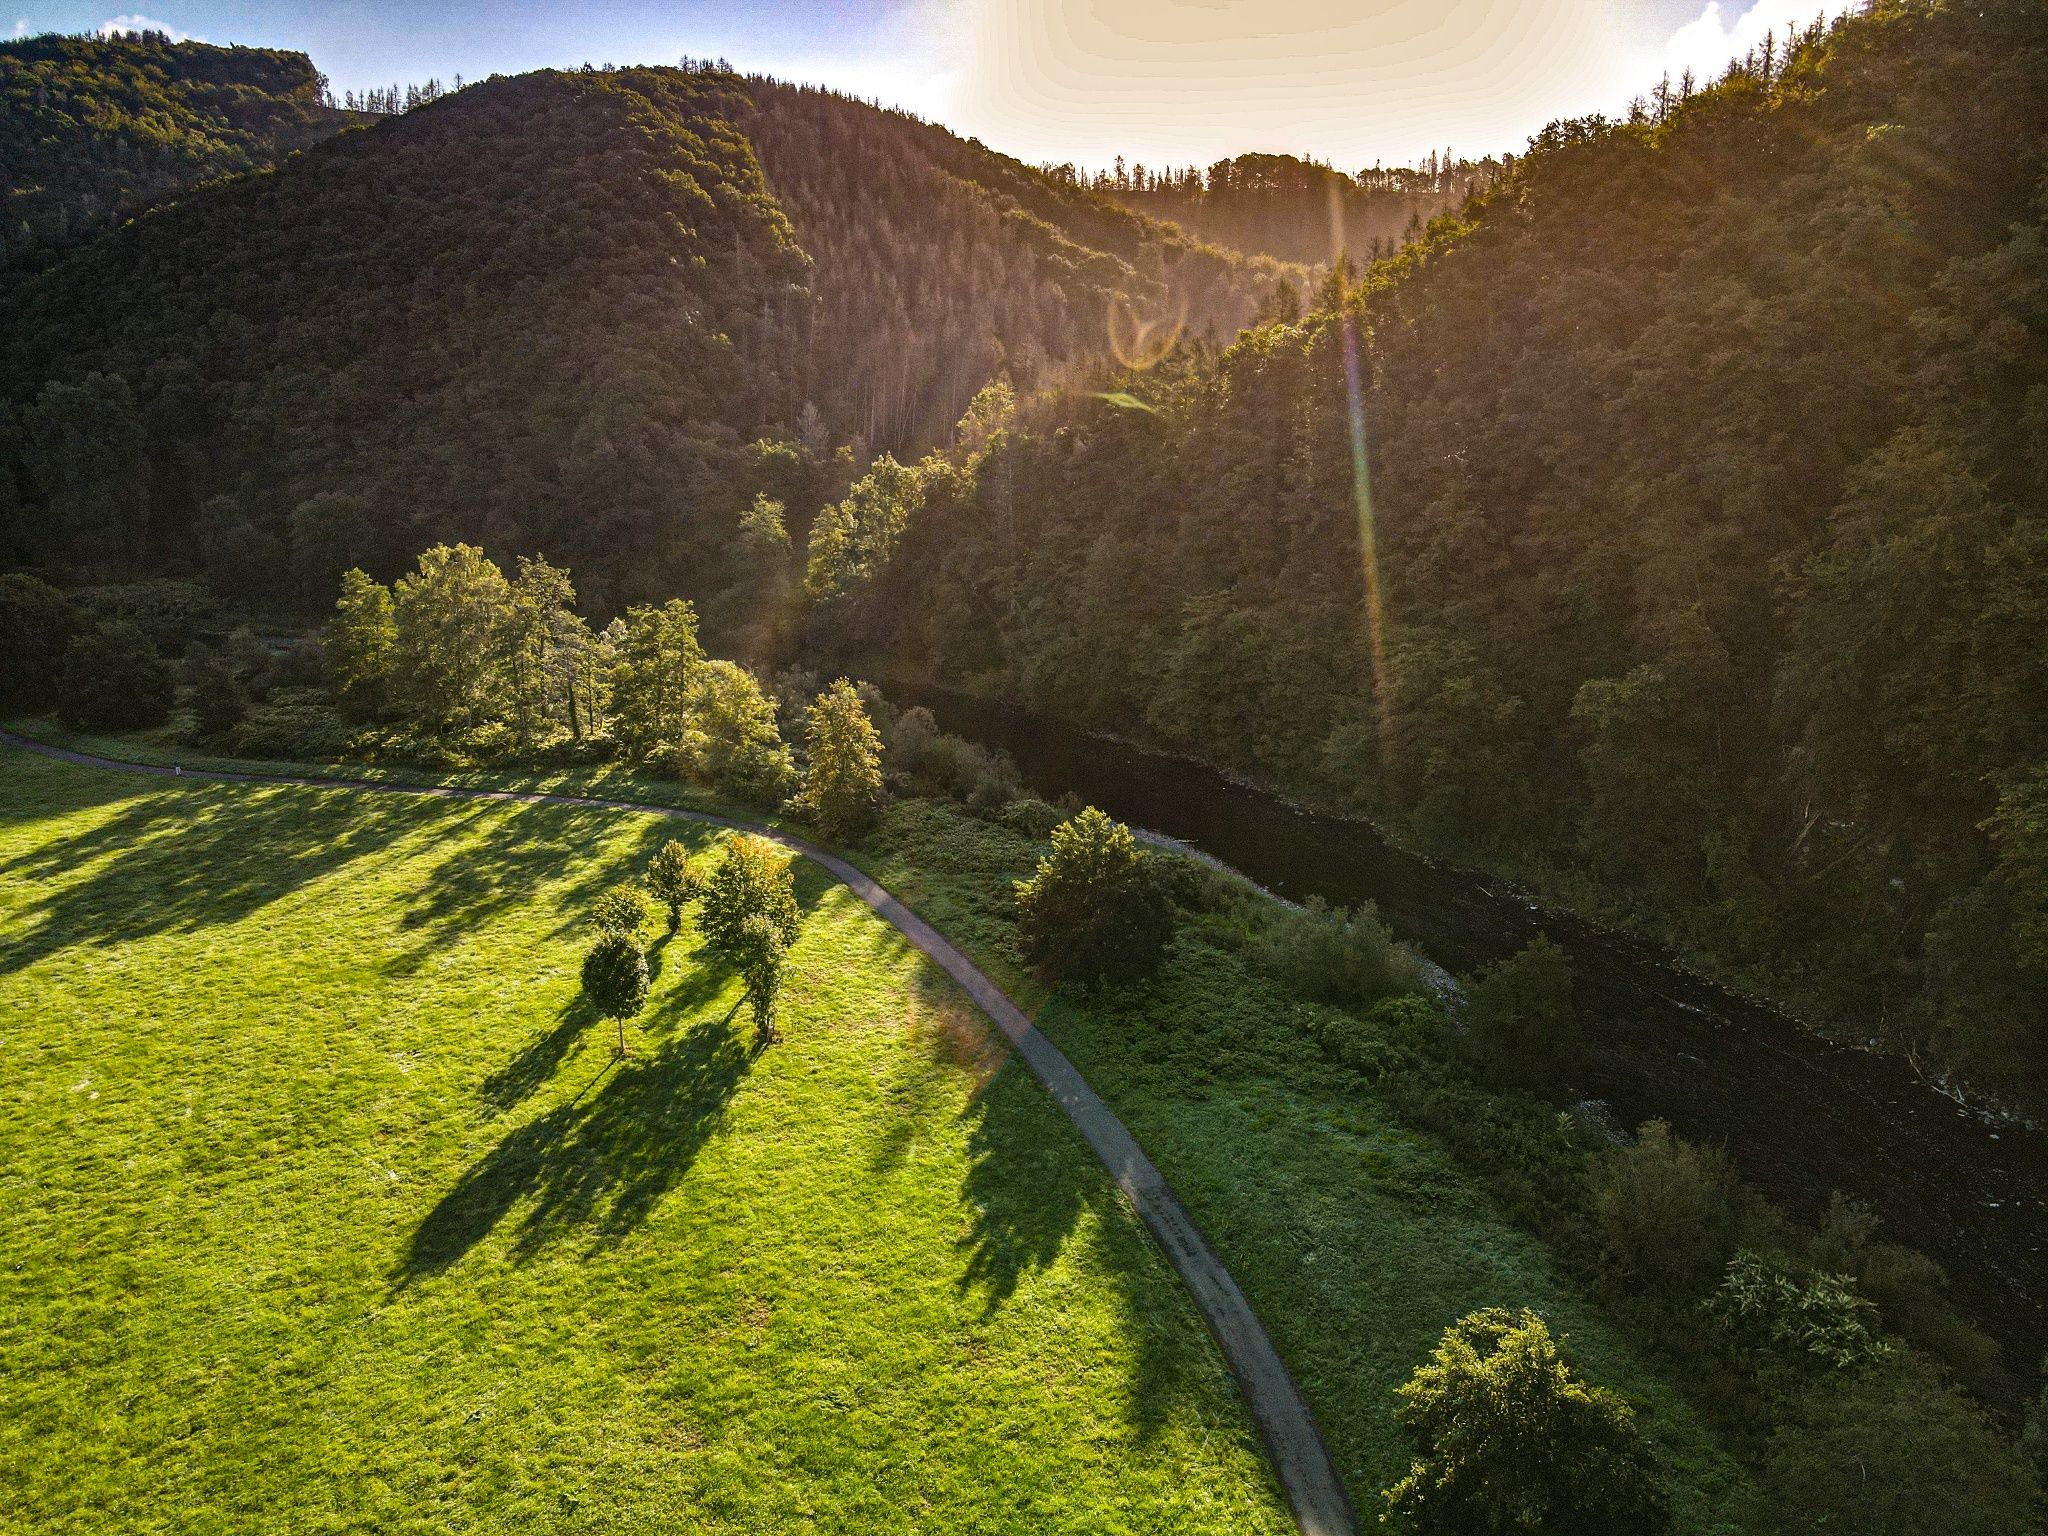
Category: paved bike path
[1295,1446]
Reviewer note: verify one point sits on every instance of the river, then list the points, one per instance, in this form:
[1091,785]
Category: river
[1800,1116]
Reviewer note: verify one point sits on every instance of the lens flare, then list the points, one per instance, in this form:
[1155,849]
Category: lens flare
[1143,341]
[1361,483]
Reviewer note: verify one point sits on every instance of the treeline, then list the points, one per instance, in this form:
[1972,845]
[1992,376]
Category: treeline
[564,311]
[1703,494]
[1296,210]
[95,129]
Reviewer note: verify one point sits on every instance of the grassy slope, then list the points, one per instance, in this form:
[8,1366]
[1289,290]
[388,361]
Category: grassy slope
[321,1201]
[1357,1241]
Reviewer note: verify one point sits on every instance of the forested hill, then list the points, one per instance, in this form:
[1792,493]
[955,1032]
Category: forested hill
[95,129]
[564,312]
[1709,467]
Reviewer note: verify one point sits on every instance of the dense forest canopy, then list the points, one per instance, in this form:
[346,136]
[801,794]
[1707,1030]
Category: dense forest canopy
[1706,483]
[599,313]
[96,129]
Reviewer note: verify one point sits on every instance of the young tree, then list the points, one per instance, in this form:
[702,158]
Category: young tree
[1093,909]
[537,622]
[1520,1020]
[733,740]
[762,953]
[113,679]
[615,979]
[620,912]
[843,770]
[451,615]
[658,662]
[752,880]
[671,880]
[362,639]
[1509,1439]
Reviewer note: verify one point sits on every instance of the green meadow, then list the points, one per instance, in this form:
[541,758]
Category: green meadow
[329,1209]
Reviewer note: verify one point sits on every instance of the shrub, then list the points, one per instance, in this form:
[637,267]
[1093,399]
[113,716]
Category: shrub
[751,880]
[910,738]
[1032,817]
[1334,956]
[732,739]
[671,880]
[1508,1438]
[171,613]
[296,724]
[113,679]
[842,785]
[219,701]
[1093,910]
[1803,1321]
[1892,1449]
[1520,1023]
[615,979]
[37,626]
[620,912]
[1669,1213]
[968,773]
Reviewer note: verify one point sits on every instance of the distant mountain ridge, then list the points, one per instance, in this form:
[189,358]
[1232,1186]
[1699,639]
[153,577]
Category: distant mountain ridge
[590,312]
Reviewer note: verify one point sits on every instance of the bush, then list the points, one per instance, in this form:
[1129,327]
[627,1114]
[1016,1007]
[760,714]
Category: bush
[171,613]
[968,773]
[296,724]
[620,912]
[1335,956]
[1800,1321]
[1893,1449]
[37,626]
[1093,910]
[751,880]
[1669,1214]
[113,679]
[1520,1024]
[732,740]
[1509,1439]
[219,701]
[1032,817]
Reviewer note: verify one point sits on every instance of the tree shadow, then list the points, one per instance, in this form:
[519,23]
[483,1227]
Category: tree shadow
[185,858]
[599,1163]
[512,1084]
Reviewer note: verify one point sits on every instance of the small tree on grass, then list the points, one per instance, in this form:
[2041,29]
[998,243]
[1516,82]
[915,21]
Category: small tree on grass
[620,912]
[762,953]
[1509,1439]
[671,880]
[751,880]
[1093,908]
[615,979]
[843,772]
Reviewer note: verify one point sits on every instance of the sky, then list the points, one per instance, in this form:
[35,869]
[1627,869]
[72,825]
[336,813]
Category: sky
[1162,82]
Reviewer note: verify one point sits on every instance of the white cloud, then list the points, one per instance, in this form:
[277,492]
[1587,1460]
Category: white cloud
[21,27]
[1705,44]
[116,25]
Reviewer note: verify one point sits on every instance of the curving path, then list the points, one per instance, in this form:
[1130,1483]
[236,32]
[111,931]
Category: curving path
[1295,1446]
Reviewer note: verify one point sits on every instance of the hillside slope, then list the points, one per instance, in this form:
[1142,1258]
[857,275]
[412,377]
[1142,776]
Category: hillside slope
[563,311]
[95,129]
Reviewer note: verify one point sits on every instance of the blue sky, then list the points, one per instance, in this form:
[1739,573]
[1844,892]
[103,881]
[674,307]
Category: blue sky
[1162,81]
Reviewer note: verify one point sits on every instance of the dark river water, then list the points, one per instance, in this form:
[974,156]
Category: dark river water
[1801,1117]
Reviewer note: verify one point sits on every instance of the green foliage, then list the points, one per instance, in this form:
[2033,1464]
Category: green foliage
[1508,1438]
[1893,1451]
[752,880]
[362,640]
[1669,1213]
[732,740]
[659,660]
[1093,910]
[37,626]
[1335,956]
[761,955]
[842,783]
[449,620]
[1520,1023]
[219,700]
[615,979]
[1804,1321]
[112,679]
[671,881]
[620,912]
[293,725]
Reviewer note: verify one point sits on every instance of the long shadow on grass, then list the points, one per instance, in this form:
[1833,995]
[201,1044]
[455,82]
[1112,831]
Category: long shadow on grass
[599,1163]
[181,859]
